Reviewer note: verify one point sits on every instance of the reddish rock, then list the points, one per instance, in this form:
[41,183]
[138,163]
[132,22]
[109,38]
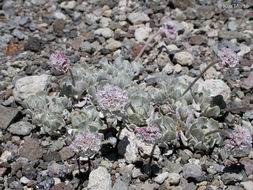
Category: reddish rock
[12,48]
[66,153]
[197,40]
[61,186]
[136,49]
[31,149]
[76,43]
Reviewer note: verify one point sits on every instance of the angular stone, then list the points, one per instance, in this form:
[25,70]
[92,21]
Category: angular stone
[61,186]
[184,58]
[30,85]
[7,116]
[21,128]
[66,153]
[229,35]
[31,149]
[191,171]
[100,179]
[138,17]
[197,40]
[33,44]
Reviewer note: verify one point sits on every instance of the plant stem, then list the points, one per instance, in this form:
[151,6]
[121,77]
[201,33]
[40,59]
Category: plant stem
[146,45]
[72,77]
[132,108]
[196,79]
[237,109]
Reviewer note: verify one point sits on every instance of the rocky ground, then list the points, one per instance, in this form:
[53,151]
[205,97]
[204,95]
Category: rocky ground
[96,31]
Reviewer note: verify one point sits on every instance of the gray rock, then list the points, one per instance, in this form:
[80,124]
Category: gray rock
[120,185]
[56,145]
[232,25]
[224,34]
[23,20]
[90,19]
[29,171]
[161,177]
[185,185]
[31,149]
[100,179]
[33,44]
[86,46]
[30,85]
[183,4]
[184,58]
[142,33]
[32,27]
[192,171]
[59,15]
[105,32]
[21,128]
[16,185]
[247,185]
[7,116]
[17,33]
[173,178]
[138,17]
[231,178]
[233,187]
[57,170]
[136,172]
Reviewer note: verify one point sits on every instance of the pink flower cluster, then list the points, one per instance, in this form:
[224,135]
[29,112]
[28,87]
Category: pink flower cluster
[86,144]
[59,61]
[149,134]
[241,139]
[112,99]
[168,28]
[228,58]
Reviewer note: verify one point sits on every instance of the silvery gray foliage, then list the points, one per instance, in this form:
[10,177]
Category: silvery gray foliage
[86,119]
[196,133]
[47,112]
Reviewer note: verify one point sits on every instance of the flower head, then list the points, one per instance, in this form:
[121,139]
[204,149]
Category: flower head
[149,134]
[112,99]
[168,28]
[86,144]
[228,58]
[59,61]
[241,140]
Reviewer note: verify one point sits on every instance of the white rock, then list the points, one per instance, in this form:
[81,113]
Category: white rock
[216,87]
[57,180]
[169,68]
[161,177]
[141,34]
[172,47]
[59,15]
[5,156]
[184,58]
[146,149]
[105,32]
[136,172]
[24,180]
[248,185]
[30,85]
[177,68]
[138,17]
[244,50]
[113,44]
[100,179]
[127,147]
[68,4]
[173,178]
